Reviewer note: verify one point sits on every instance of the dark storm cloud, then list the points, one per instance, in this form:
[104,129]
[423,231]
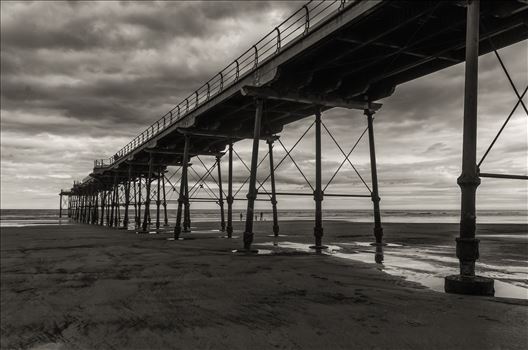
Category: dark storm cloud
[80,79]
[121,63]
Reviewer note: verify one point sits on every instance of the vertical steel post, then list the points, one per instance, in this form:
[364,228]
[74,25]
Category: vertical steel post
[88,205]
[187,207]
[69,205]
[117,206]
[158,200]
[148,182]
[140,190]
[60,205]
[112,205]
[165,217]
[135,203]
[273,195]
[127,197]
[76,208]
[220,195]
[378,230]
[467,246]
[181,197]
[103,203]
[81,207]
[109,200]
[318,192]
[252,191]
[96,208]
[230,192]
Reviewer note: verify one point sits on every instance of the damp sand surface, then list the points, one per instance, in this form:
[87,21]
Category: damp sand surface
[89,287]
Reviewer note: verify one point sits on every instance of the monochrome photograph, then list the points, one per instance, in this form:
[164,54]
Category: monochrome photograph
[333,174]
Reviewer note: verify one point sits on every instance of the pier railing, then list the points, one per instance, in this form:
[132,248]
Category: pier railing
[291,29]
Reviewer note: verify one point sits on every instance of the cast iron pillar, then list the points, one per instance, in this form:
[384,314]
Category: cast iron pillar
[103,203]
[158,200]
[318,192]
[112,205]
[60,205]
[467,246]
[229,198]
[273,194]
[220,196]
[138,203]
[186,207]
[252,191]
[88,206]
[127,197]
[69,206]
[96,208]
[109,203]
[183,181]
[117,207]
[148,182]
[165,217]
[374,195]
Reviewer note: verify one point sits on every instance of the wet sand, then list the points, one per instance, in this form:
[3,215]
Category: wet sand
[89,287]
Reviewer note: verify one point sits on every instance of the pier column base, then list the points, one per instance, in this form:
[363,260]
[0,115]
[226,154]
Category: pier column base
[472,285]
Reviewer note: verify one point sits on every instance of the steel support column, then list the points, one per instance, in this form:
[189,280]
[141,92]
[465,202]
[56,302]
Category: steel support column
[69,206]
[127,196]
[165,217]
[60,205]
[378,229]
[467,246]
[158,200]
[273,193]
[183,181]
[103,203]
[187,207]
[137,201]
[88,206]
[110,198]
[252,191]
[318,192]
[220,196]
[117,207]
[112,204]
[229,227]
[95,207]
[148,182]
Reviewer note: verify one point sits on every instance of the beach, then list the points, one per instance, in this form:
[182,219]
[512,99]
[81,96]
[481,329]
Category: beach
[75,286]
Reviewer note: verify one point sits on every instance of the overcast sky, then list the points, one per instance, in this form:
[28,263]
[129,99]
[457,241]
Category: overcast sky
[80,79]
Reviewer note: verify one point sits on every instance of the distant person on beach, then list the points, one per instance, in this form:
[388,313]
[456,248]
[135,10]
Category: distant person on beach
[261,215]
[241,216]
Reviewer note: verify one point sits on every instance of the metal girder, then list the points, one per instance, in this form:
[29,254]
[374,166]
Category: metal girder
[270,93]
[177,153]
[227,136]
[504,176]
[399,48]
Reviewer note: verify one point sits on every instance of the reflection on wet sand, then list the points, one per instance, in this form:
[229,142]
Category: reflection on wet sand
[425,265]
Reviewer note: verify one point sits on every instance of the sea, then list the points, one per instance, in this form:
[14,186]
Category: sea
[37,217]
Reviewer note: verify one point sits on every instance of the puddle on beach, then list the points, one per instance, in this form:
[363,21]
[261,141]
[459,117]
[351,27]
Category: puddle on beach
[423,265]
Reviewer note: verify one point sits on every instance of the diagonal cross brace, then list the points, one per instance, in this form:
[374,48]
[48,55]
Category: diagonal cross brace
[245,165]
[286,156]
[502,127]
[346,158]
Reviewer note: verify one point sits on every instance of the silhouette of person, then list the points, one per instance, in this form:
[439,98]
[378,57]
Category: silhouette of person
[241,216]
[261,215]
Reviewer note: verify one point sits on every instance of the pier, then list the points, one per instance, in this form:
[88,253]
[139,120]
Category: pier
[346,54]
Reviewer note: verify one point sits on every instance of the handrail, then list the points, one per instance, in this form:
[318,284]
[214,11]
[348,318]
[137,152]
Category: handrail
[287,32]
